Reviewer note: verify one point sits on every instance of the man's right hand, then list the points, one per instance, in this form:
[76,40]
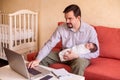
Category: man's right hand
[33,63]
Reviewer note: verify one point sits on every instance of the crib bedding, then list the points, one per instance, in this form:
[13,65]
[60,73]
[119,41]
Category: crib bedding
[18,35]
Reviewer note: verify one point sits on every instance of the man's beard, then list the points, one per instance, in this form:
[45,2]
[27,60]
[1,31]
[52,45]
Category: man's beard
[69,25]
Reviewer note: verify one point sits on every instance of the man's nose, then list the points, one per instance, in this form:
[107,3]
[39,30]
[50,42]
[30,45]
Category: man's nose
[67,21]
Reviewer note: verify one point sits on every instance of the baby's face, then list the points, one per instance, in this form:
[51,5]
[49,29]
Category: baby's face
[67,52]
[89,45]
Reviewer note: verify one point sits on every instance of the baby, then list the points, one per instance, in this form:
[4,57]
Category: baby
[79,49]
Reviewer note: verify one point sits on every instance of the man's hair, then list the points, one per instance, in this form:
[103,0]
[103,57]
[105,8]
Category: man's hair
[74,8]
[95,48]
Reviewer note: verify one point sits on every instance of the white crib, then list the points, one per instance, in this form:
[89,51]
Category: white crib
[18,31]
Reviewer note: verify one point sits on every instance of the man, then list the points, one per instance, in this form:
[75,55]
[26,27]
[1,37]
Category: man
[73,32]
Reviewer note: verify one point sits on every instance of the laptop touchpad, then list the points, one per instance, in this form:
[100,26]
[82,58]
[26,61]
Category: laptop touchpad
[33,71]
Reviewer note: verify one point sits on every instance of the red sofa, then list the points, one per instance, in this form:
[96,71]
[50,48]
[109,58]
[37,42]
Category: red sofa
[107,65]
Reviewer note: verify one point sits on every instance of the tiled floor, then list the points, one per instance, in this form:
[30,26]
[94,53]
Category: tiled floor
[3,62]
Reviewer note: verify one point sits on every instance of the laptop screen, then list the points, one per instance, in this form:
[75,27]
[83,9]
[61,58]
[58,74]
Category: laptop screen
[16,62]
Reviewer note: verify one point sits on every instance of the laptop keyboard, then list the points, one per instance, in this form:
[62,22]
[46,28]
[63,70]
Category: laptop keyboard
[33,71]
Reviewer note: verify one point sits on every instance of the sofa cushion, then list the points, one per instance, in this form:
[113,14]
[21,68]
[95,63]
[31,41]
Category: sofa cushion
[103,69]
[109,39]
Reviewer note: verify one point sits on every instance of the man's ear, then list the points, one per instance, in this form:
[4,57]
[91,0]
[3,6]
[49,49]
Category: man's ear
[79,17]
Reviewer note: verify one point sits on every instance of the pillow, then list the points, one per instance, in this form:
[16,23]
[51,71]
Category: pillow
[109,39]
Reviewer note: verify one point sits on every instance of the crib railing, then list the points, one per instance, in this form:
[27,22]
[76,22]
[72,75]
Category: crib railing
[3,39]
[22,21]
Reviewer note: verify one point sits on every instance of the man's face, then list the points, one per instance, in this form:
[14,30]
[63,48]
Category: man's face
[71,20]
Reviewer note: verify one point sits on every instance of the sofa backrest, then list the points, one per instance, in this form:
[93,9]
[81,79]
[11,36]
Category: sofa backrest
[109,39]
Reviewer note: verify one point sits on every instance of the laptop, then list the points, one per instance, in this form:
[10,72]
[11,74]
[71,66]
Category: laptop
[17,63]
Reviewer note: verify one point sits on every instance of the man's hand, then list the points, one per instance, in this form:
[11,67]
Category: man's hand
[69,55]
[33,63]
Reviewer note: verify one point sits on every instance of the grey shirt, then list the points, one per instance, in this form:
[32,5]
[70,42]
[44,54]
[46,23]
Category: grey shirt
[85,34]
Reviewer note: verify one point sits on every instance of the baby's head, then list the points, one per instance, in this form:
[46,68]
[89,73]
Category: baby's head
[91,46]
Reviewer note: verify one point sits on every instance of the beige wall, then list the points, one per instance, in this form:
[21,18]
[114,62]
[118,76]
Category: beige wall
[13,5]
[95,12]
[0,5]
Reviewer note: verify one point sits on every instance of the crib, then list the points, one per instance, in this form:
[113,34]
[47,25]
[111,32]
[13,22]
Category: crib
[18,32]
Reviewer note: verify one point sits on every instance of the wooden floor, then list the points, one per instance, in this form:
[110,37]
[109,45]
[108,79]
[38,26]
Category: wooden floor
[3,62]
